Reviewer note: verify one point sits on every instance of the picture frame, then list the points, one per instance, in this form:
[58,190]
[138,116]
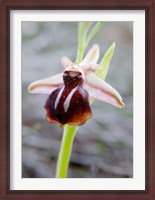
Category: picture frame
[6,7]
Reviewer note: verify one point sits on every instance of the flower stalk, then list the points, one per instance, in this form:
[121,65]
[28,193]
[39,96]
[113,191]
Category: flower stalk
[84,37]
[65,151]
[70,131]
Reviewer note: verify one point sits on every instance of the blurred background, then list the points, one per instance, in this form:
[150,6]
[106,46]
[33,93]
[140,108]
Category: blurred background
[103,146]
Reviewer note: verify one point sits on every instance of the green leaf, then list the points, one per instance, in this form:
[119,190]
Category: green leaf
[93,32]
[86,32]
[105,62]
[82,31]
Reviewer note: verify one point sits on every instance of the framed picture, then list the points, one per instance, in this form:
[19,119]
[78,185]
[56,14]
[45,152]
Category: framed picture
[111,155]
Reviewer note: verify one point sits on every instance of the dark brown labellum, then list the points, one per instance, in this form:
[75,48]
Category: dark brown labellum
[69,104]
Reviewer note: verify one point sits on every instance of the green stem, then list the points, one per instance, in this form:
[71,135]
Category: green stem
[80,54]
[70,131]
[93,32]
[65,151]
[82,31]
[84,38]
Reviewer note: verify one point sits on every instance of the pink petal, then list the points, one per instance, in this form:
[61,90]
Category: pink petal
[66,62]
[92,56]
[43,90]
[47,85]
[90,68]
[102,91]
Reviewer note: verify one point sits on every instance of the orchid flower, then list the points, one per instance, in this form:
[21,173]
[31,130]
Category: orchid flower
[70,91]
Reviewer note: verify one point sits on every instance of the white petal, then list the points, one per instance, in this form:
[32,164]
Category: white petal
[47,85]
[102,91]
[66,62]
[90,68]
[92,56]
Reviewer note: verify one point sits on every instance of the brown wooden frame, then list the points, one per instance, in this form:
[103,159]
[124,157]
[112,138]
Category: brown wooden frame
[6,7]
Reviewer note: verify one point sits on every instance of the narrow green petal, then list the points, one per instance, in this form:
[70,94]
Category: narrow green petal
[83,29]
[94,31]
[105,62]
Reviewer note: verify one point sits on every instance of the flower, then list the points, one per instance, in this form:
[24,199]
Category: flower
[70,91]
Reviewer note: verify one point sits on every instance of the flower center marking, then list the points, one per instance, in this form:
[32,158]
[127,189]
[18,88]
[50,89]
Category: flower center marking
[68,99]
[58,97]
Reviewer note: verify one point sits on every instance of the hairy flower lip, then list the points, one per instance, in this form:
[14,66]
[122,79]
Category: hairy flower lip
[68,105]
[96,87]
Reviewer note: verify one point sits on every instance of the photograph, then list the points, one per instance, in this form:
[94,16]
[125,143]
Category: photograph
[77,99]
